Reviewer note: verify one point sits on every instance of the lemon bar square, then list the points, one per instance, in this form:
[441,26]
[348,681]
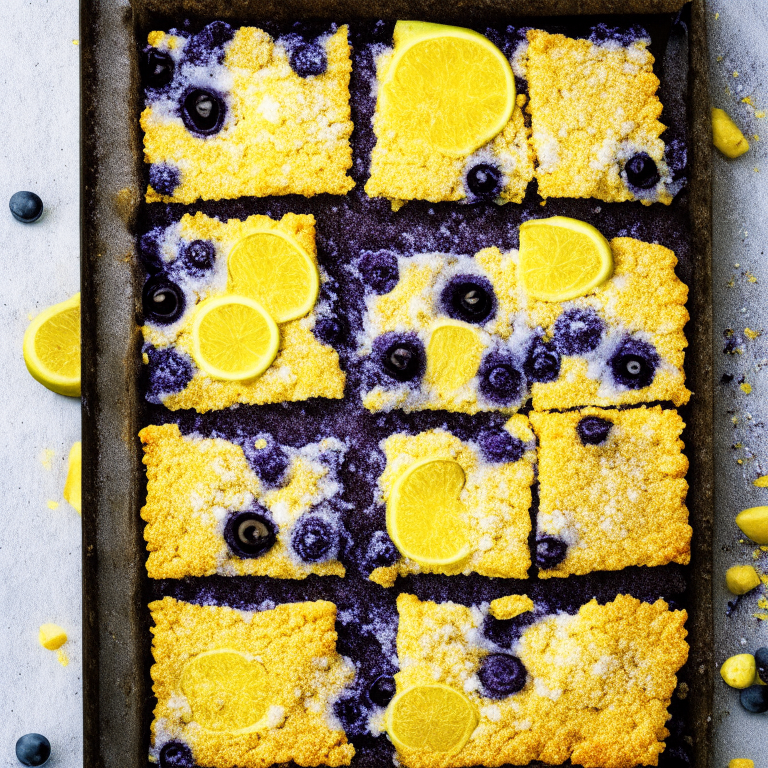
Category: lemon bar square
[247,689]
[595,120]
[494,501]
[593,688]
[251,507]
[190,262]
[612,490]
[232,113]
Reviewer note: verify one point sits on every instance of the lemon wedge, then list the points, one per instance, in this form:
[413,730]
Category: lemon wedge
[226,691]
[453,356]
[449,85]
[425,518]
[273,269]
[52,347]
[233,338]
[434,718]
[562,258]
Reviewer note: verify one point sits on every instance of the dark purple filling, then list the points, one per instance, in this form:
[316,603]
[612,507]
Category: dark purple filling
[500,381]
[755,699]
[381,552]
[382,691]
[196,259]
[634,363]
[174,754]
[578,331]
[331,330]
[162,300]
[269,463]
[506,632]
[550,551]
[399,356]
[352,715]
[306,57]
[251,533]
[501,675]
[379,270]
[207,46]
[156,68]
[164,178]
[542,363]
[498,445]
[149,251]
[168,372]
[469,298]
[315,538]
[592,430]
[203,111]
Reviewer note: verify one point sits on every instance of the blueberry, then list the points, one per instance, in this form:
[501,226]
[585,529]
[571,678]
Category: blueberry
[307,58]
[164,178]
[755,698]
[593,430]
[382,691]
[641,171]
[162,300]
[156,68]
[207,45]
[251,533]
[484,181]
[203,111]
[174,754]
[542,364]
[500,381]
[761,659]
[506,632]
[149,251]
[550,551]
[315,538]
[634,364]
[469,298]
[501,675]
[196,258]
[499,446]
[381,551]
[379,270]
[33,749]
[169,372]
[270,462]
[26,207]
[352,715]
[331,330]
[401,356]
[578,331]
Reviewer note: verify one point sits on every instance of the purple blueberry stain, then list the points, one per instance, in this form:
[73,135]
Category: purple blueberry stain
[381,551]
[331,330]
[550,551]
[149,250]
[306,57]
[469,298]
[501,382]
[592,430]
[267,459]
[164,178]
[196,258]
[542,364]
[352,714]
[315,538]
[578,331]
[168,372]
[501,675]
[379,270]
[250,533]
[208,45]
[506,632]
[497,445]
[633,365]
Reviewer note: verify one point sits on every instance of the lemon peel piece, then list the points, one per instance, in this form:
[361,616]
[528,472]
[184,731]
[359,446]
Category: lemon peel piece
[453,356]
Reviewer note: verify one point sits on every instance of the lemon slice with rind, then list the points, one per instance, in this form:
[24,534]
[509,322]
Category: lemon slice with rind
[233,338]
[425,518]
[226,691]
[431,718]
[562,258]
[52,347]
[453,356]
[271,267]
[449,85]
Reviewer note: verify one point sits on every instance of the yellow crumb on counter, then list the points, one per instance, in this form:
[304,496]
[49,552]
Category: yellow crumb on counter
[52,636]
[726,135]
[741,579]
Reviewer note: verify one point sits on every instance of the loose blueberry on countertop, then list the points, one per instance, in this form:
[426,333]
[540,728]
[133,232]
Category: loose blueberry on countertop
[634,364]
[307,58]
[382,691]
[761,660]
[202,111]
[550,551]
[578,331]
[251,533]
[174,754]
[315,539]
[352,715]
[331,330]
[641,171]
[269,462]
[755,698]
[33,749]
[484,181]
[208,44]
[501,675]
[162,300]
[26,207]
[506,632]
[401,356]
[469,298]
[156,68]
[593,430]
[381,551]
[164,178]
[500,381]
[169,371]
[499,445]
[379,270]
[543,361]
[196,258]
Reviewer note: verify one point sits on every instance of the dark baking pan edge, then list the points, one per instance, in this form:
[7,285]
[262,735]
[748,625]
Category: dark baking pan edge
[114,623]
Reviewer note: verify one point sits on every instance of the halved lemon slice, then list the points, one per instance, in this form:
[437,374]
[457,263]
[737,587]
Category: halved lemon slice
[233,338]
[425,518]
[448,84]
[453,356]
[226,691]
[52,347]
[562,258]
[432,718]
[273,269]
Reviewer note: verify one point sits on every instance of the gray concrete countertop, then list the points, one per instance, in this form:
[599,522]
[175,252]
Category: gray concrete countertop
[40,545]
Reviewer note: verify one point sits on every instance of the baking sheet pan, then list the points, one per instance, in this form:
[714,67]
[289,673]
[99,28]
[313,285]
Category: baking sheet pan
[116,640]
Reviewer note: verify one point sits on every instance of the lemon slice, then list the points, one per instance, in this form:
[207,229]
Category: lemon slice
[52,347]
[233,338]
[432,718]
[425,518]
[273,269]
[73,486]
[453,356]
[449,85]
[562,258]
[226,691]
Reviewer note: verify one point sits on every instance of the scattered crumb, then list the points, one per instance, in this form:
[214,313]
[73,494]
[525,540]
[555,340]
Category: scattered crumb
[749,275]
[746,388]
[46,457]
[750,334]
[52,504]
[52,636]
[75,42]
[735,74]
[62,658]
[761,482]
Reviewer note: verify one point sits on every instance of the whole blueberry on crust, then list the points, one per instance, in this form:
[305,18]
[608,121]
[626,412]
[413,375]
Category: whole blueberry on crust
[162,300]
[196,258]
[203,111]
[634,363]
[33,749]
[550,551]
[26,207]
[315,538]
[307,58]
[400,356]
[379,270]
[382,690]
[156,68]
[381,552]
[174,754]
[755,699]
[500,380]
[485,181]
[268,460]
[498,445]
[469,298]
[578,331]
[592,430]
[501,675]
[641,171]
[169,371]
[542,364]
[250,533]
[331,330]
[208,44]
[164,178]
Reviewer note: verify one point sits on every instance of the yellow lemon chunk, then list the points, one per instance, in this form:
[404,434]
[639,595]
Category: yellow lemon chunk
[562,258]
[741,762]
[433,718]
[741,579]
[453,356]
[73,487]
[233,338]
[508,607]
[726,135]
[739,671]
[226,691]
[52,636]
[425,518]
[273,269]
[449,85]
[52,347]
[754,523]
